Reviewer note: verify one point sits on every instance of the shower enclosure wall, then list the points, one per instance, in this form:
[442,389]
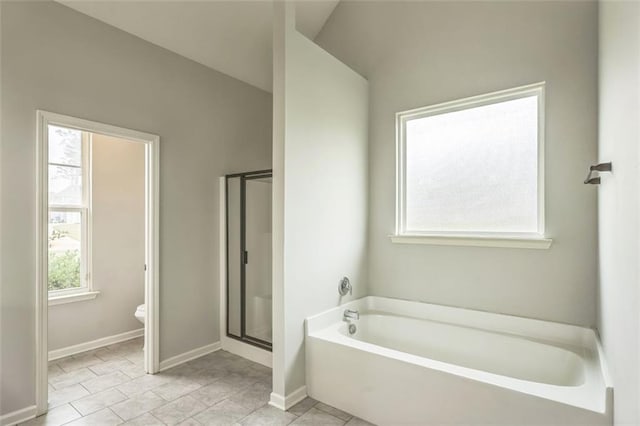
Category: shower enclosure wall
[248,219]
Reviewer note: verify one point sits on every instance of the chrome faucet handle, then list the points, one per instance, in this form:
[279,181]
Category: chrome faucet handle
[345,287]
[350,314]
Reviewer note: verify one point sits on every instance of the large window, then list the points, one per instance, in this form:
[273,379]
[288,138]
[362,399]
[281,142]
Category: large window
[473,168]
[68,189]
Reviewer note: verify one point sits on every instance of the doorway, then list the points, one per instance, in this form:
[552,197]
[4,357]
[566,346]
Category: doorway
[64,228]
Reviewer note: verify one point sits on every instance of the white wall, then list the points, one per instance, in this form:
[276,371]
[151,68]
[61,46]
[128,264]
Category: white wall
[117,209]
[209,124]
[619,212]
[422,53]
[320,190]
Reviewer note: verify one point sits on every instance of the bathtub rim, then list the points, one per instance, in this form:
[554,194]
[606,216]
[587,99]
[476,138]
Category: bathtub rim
[317,326]
[562,333]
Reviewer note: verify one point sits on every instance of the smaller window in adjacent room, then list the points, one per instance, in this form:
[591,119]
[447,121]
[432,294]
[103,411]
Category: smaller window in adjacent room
[473,167]
[68,171]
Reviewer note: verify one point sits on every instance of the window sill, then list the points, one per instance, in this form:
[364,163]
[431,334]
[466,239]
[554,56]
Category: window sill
[74,297]
[474,241]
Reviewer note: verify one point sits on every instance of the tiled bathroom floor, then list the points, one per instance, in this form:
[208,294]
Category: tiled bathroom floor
[107,386]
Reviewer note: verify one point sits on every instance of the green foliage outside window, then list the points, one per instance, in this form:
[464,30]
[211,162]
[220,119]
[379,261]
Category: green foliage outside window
[64,270]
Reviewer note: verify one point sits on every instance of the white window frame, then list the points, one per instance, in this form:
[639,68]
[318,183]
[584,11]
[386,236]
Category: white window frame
[488,239]
[85,291]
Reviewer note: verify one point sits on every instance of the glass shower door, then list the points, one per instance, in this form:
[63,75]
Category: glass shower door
[258,261]
[248,221]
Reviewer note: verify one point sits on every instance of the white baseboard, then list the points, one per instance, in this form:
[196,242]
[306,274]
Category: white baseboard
[250,352]
[189,355]
[286,402]
[94,344]
[18,416]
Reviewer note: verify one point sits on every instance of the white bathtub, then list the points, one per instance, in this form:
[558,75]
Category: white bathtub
[423,364]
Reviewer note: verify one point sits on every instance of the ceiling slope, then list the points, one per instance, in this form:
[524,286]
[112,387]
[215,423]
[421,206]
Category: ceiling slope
[233,37]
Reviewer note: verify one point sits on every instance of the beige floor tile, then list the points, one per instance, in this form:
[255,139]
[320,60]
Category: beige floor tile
[55,416]
[107,354]
[137,405]
[104,417]
[111,366]
[107,381]
[268,415]
[54,370]
[358,422]
[178,410]
[67,379]
[252,398]
[176,388]
[142,384]
[147,419]
[333,411]
[303,406]
[79,361]
[214,393]
[224,413]
[133,370]
[98,401]
[68,394]
[319,418]
[190,422]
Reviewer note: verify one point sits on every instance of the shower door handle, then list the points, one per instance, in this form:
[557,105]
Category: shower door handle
[245,257]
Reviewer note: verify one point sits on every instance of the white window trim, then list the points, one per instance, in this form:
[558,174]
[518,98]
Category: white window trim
[76,296]
[85,291]
[479,239]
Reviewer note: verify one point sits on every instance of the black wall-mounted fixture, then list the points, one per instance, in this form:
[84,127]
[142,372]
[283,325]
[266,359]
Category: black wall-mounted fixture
[602,167]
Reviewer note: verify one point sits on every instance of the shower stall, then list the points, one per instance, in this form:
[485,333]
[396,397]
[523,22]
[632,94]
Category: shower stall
[248,254]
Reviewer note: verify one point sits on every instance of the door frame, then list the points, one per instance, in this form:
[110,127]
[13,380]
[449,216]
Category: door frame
[152,240]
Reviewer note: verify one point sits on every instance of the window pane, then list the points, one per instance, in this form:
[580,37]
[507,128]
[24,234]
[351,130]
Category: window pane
[65,185]
[65,146]
[65,236]
[474,170]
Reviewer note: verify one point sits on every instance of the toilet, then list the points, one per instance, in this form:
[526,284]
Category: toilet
[139,314]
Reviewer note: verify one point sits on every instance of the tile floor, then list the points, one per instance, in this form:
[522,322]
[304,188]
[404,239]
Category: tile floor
[107,386]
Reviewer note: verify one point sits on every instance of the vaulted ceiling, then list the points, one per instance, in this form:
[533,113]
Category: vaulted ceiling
[233,36]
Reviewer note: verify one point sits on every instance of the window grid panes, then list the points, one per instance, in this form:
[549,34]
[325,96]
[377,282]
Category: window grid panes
[472,167]
[68,209]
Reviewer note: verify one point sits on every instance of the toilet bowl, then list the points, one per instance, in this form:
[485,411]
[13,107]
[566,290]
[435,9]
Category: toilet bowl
[139,314]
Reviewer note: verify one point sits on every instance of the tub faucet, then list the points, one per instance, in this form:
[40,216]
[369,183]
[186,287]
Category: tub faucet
[345,287]
[350,314]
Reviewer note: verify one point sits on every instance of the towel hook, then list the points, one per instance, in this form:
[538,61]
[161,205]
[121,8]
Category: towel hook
[602,167]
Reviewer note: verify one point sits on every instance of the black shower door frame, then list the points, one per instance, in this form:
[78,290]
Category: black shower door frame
[244,177]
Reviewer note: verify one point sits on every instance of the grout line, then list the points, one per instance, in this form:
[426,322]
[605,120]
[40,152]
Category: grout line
[109,408]
[160,421]
[85,389]
[76,410]
[250,413]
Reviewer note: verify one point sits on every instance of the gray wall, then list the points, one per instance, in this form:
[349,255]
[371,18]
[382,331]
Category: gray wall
[59,60]
[619,212]
[117,210]
[422,53]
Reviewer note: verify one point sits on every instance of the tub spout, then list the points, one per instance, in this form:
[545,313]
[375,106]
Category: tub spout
[350,314]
